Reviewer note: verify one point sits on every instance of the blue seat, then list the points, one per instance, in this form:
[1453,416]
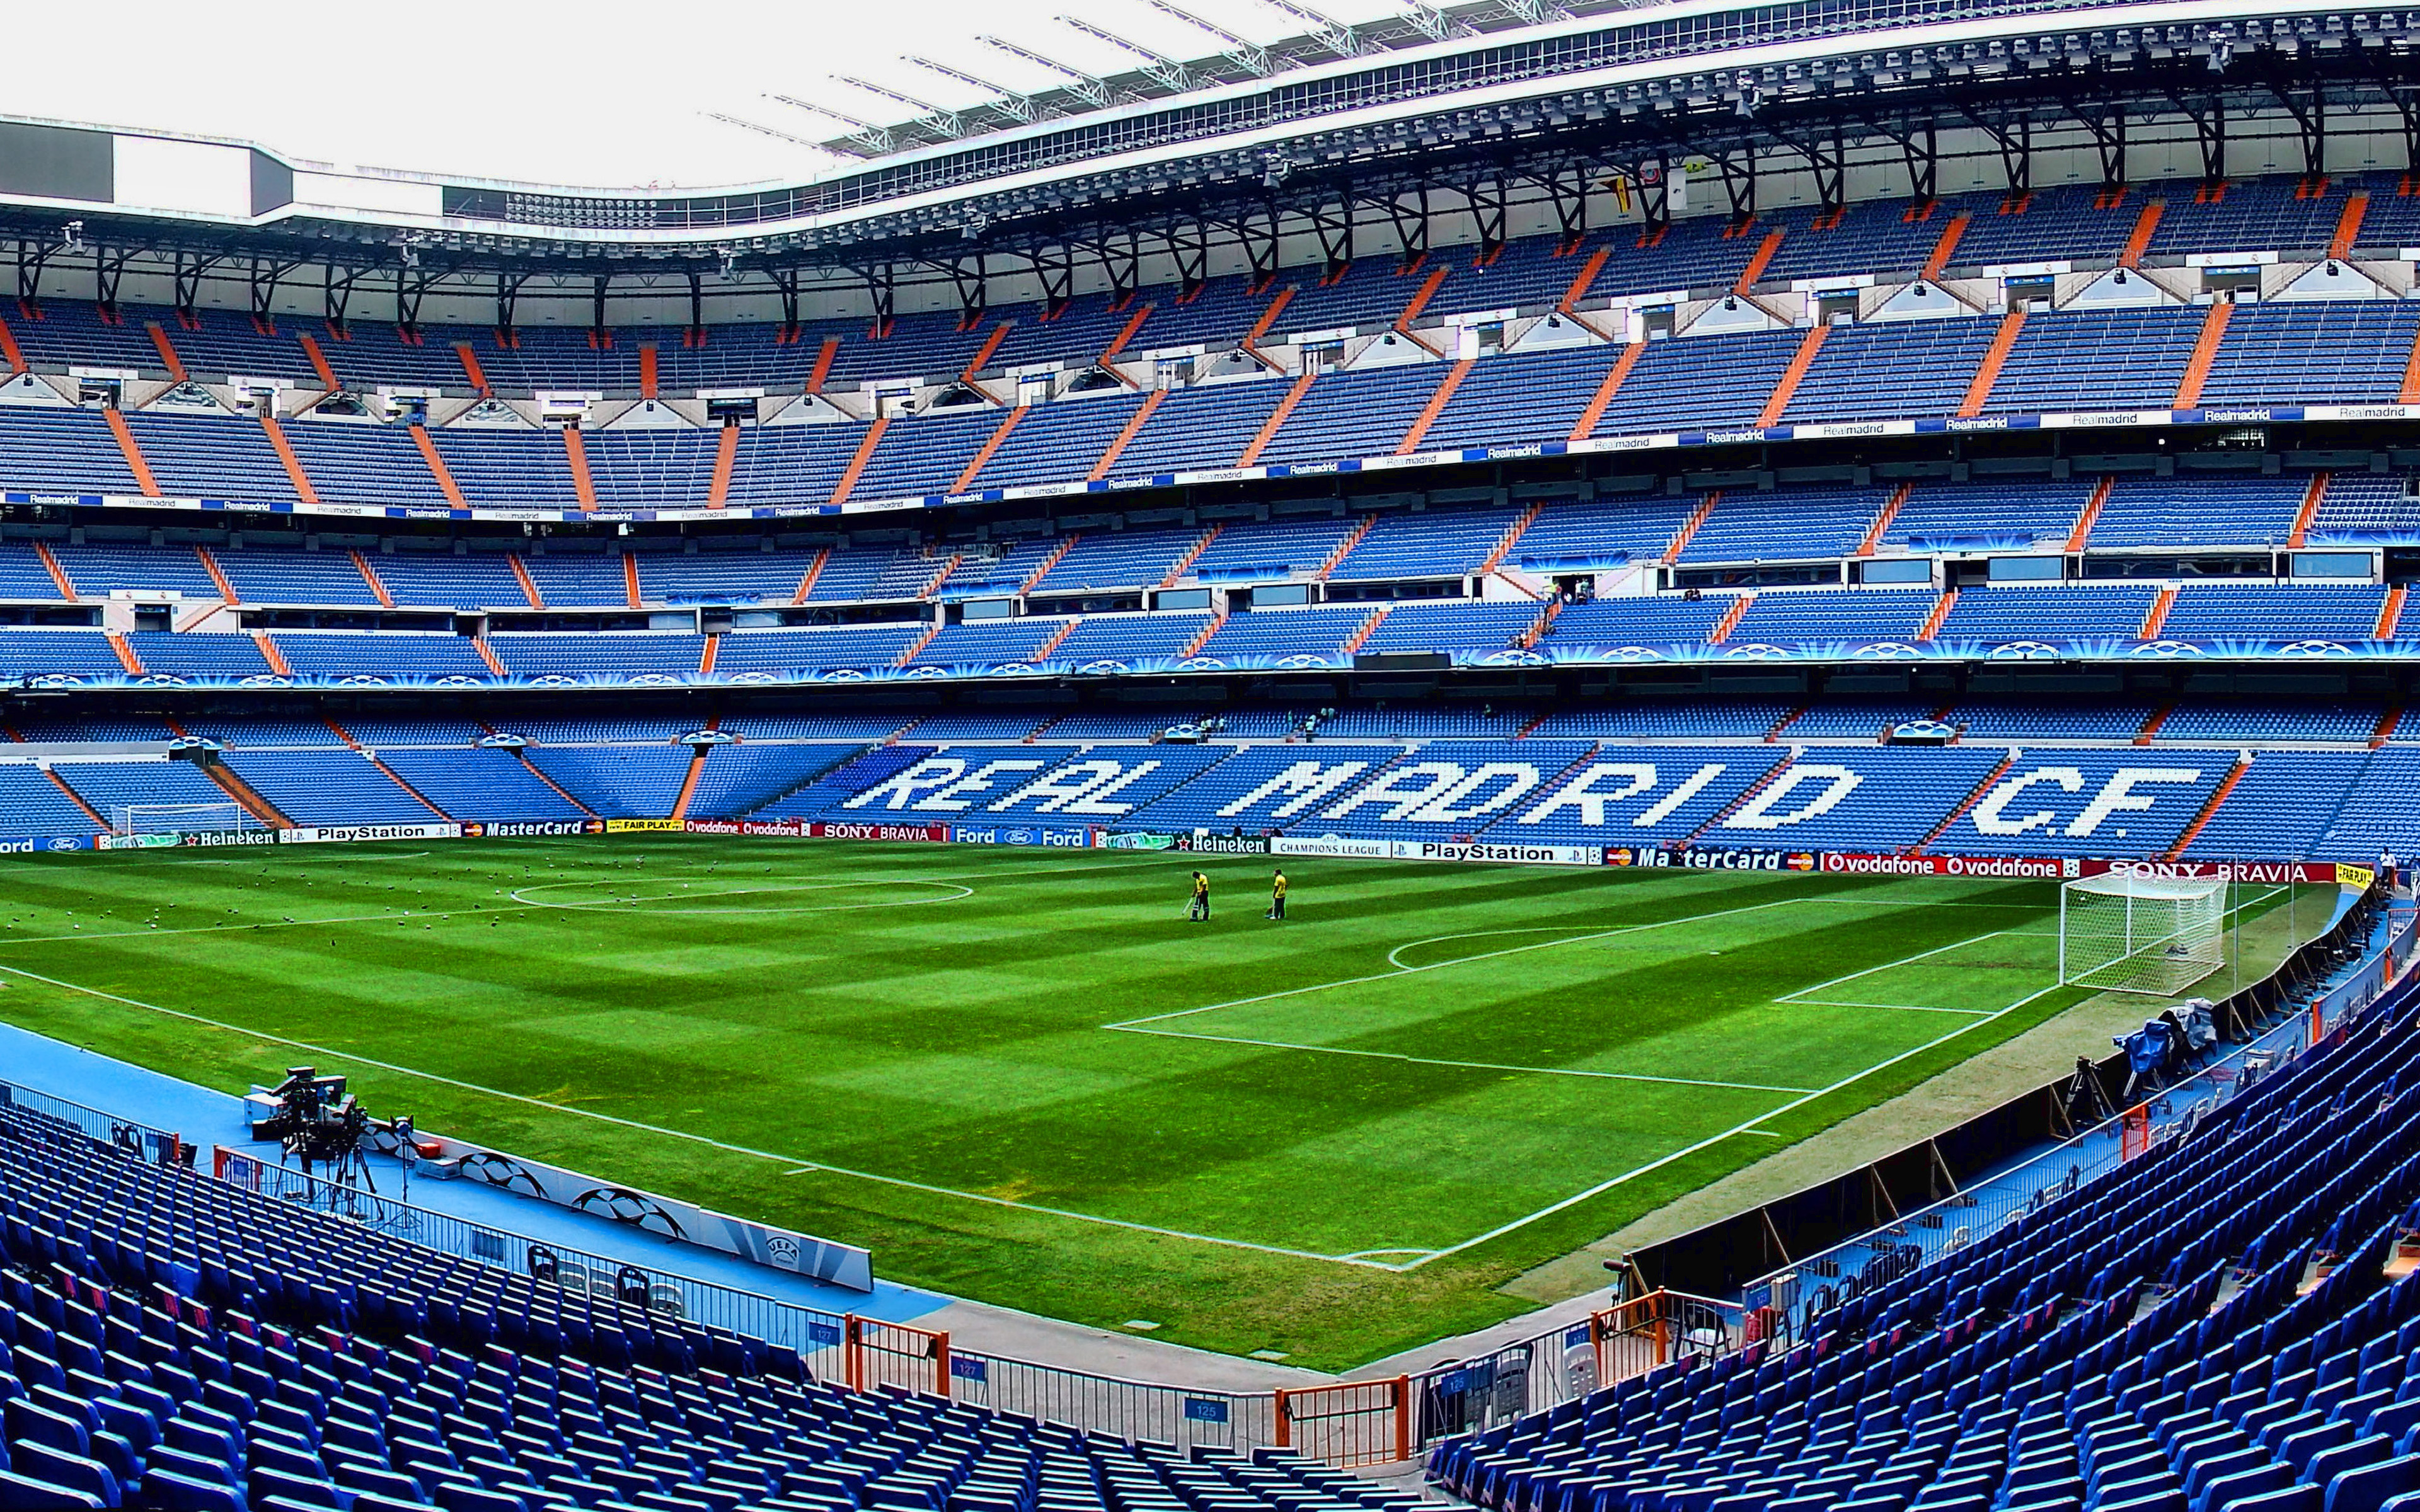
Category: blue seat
[2243,1484]
[479,1499]
[25,1491]
[2369,1487]
[59,1468]
[263,1482]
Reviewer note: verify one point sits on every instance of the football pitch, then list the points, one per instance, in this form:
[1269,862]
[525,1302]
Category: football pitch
[1023,1077]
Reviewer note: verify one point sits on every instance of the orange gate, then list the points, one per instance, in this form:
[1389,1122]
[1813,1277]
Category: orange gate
[1354,1422]
[895,1354]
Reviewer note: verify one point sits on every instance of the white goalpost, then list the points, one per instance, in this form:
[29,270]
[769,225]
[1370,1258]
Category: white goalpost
[182,818]
[2140,934]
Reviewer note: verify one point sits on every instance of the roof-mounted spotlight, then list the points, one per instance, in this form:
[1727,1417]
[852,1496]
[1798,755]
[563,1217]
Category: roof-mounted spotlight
[71,237]
[2221,54]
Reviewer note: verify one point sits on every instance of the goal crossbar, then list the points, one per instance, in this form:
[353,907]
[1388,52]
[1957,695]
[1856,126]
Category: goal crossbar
[182,818]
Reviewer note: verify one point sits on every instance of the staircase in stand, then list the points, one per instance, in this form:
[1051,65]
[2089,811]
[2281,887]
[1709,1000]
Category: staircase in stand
[436,467]
[90,812]
[2204,352]
[1891,506]
[1941,608]
[2390,615]
[132,452]
[1193,647]
[2313,497]
[696,768]
[392,774]
[269,653]
[2158,617]
[2348,225]
[1773,736]
[1124,437]
[58,573]
[1987,372]
[2386,723]
[1057,554]
[1795,374]
[726,458]
[1729,621]
[1185,563]
[2139,241]
[1057,637]
[1278,417]
[1756,262]
[2086,518]
[1344,548]
[982,456]
[575,457]
[242,791]
[1690,527]
[1418,429]
[814,570]
[293,464]
[218,576]
[1585,427]
[933,585]
[1529,639]
[1944,249]
[2151,722]
[2209,809]
[1361,637]
[864,455]
[369,576]
[1737,804]
[1512,536]
[1973,796]
[921,641]
[529,584]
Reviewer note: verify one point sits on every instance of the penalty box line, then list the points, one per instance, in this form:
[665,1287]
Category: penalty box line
[795,1164]
[1801,1000]
[1751,1126]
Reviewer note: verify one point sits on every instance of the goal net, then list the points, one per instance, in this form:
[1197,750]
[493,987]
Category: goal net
[2140,934]
[182,818]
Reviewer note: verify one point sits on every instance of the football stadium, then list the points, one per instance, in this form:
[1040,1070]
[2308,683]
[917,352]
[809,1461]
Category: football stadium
[1582,757]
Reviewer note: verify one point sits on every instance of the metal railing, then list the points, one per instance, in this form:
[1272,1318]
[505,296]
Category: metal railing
[1784,1301]
[1348,1423]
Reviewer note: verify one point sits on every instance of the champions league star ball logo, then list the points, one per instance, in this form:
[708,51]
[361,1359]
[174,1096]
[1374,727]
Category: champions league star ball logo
[2166,650]
[2315,648]
[625,1206]
[503,1171]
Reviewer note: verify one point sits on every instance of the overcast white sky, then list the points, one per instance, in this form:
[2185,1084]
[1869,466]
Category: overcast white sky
[612,95]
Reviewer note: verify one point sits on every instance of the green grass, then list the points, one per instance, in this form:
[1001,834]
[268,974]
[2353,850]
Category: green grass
[1019,1075]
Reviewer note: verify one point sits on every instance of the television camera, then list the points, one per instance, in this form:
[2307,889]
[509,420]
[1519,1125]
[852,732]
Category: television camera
[316,1122]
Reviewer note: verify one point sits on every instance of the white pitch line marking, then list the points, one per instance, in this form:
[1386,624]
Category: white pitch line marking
[1467,1065]
[359,1059]
[1683,1154]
